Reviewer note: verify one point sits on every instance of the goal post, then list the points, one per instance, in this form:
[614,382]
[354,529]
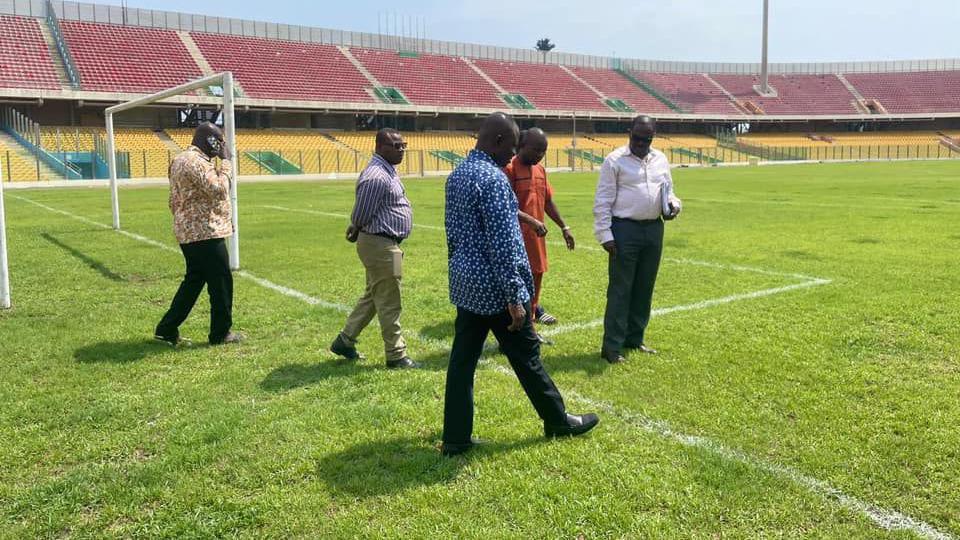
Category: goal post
[225,80]
[4,269]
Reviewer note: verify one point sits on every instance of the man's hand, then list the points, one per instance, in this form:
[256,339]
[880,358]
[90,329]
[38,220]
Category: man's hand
[610,247]
[353,232]
[538,227]
[225,152]
[674,210]
[517,316]
[568,238]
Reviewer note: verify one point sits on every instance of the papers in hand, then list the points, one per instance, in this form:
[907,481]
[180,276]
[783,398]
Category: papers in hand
[665,209]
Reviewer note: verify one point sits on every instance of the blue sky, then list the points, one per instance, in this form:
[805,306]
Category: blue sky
[695,30]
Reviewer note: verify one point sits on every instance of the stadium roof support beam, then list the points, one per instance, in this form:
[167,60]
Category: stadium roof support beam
[225,80]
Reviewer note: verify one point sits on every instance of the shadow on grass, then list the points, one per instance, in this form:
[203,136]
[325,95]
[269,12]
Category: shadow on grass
[84,258]
[119,352]
[441,331]
[293,376]
[385,467]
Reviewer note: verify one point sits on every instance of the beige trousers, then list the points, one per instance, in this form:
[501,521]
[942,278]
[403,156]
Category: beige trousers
[383,261]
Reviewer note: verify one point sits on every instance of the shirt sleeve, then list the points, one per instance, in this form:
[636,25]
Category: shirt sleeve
[672,196]
[603,202]
[370,196]
[499,215]
[211,180]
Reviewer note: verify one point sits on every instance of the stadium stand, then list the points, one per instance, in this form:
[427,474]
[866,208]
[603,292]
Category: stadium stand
[692,92]
[614,85]
[278,69]
[148,156]
[546,86]
[19,165]
[133,59]
[796,94]
[428,79]
[917,92]
[25,60]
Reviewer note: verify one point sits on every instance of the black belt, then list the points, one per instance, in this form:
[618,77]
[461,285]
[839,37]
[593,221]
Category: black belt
[396,239]
[638,221]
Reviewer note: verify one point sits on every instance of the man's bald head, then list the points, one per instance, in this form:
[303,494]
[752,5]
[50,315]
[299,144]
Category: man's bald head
[390,145]
[209,139]
[533,146]
[642,132]
[498,137]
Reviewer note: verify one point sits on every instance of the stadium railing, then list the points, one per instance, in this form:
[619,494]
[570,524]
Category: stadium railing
[140,164]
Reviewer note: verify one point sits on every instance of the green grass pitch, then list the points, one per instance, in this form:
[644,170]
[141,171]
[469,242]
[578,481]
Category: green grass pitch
[808,381]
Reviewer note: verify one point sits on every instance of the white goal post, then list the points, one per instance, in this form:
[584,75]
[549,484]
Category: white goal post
[225,80]
[4,270]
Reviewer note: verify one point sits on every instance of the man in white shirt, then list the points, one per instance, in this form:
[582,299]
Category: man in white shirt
[628,214]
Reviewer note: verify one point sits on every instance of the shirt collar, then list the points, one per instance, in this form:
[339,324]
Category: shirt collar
[199,151]
[378,159]
[480,155]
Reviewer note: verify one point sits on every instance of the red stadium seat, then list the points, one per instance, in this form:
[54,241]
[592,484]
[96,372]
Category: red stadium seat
[25,60]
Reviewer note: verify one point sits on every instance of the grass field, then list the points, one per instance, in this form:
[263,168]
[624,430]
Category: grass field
[808,385]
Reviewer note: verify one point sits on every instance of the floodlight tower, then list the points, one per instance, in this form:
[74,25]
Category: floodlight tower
[764,88]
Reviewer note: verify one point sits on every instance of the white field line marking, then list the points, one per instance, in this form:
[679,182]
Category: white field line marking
[243,273]
[567,328]
[694,262]
[335,215]
[885,519]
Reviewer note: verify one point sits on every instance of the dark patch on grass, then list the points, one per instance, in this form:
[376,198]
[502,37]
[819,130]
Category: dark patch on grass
[865,240]
[293,376]
[800,254]
[119,352]
[384,467]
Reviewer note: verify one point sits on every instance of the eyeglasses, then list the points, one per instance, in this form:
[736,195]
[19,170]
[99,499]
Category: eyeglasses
[641,140]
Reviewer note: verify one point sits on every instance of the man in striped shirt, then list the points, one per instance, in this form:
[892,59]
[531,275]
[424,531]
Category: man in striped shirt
[381,220]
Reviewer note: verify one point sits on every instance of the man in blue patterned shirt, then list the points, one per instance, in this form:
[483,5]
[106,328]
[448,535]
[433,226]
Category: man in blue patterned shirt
[491,285]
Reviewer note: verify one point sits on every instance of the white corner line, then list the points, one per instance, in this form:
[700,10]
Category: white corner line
[573,327]
[679,260]
[885,519]
[287,291]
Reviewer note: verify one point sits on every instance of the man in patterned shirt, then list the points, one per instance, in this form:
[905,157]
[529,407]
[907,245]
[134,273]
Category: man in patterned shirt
[202,219]
[491,285]
[381,220]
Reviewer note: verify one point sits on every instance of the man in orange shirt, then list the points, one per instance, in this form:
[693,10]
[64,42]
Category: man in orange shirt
[535,197]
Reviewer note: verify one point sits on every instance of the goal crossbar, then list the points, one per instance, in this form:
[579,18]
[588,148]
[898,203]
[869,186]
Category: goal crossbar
[225,80]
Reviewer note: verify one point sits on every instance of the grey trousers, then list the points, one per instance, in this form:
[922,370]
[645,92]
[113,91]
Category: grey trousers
[632,275]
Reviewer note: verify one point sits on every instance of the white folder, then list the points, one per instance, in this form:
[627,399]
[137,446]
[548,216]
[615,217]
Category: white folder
[665,199]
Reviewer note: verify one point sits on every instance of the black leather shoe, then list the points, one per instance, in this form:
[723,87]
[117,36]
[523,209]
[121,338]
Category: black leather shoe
[576,425]
[340,348]
[455,449]
[403,363]
[232,338]
[642,348]
[612,356]
[543,340]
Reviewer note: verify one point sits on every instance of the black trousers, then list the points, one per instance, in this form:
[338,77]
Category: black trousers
[523,351]
[632,274]
[207,264]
